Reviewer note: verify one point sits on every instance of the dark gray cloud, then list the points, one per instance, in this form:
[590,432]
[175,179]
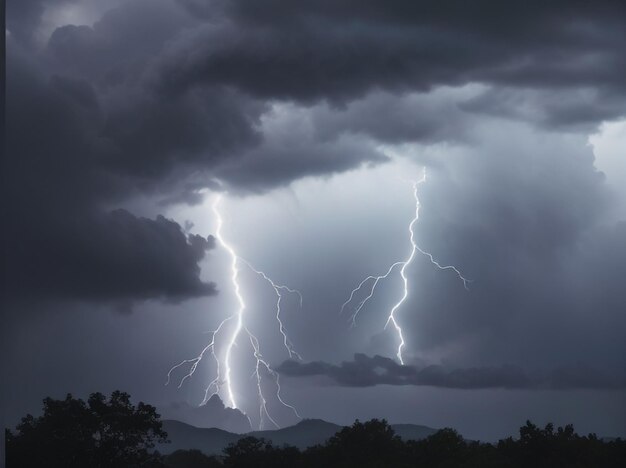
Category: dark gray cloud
[112,256]
[292,148]
[425,117]
[179,88]
[366,371]
[577,110]
[117,48]
[341,50]
[61,240]
[23,17]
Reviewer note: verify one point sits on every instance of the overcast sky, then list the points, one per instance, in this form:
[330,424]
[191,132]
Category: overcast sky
[312,119]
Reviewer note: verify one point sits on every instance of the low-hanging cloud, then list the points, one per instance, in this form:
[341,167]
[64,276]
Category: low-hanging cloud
[366,371]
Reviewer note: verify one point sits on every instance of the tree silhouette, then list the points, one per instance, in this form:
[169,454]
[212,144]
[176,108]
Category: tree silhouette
[370,444]
[561,448]
[112,433]
[190,459]
[250,452]
[445,447]
[99,433]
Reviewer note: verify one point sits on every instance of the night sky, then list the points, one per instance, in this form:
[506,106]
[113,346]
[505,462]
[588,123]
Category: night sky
[312,120]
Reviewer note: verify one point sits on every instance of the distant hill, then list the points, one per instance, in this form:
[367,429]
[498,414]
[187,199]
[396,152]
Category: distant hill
[213,413]
[306,433]
[412,431]
[185,436]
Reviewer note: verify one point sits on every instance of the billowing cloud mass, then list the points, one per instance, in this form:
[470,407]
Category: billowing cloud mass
[121,114]
[63,241]
[154,93]
[340,50]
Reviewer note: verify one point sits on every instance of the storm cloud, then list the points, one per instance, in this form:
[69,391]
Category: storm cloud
[342,50]
[313,115]
[160,97]
[62,240]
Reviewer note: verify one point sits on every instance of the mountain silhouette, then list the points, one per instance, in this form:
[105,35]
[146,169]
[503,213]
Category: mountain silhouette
[306,433]
[184,436]
[213,414]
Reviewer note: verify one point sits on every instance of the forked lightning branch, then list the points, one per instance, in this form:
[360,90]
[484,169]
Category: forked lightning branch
[234,327]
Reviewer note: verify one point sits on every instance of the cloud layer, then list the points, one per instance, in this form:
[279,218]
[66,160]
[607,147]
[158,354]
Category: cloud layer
[158,97]
[366,371]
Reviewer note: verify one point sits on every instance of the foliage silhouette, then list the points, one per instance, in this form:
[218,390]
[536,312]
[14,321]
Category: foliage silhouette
[370,444]
[373,444]
[250,451]
[190,459]
[103,433]
[99,433]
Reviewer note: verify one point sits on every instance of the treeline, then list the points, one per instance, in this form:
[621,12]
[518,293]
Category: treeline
[112,433]
[373,444]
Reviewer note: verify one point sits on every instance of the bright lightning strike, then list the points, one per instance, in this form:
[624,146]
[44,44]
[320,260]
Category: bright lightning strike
[260,362]
[238,317]
[371,293]
[279,289]
[240,301]
[372,281]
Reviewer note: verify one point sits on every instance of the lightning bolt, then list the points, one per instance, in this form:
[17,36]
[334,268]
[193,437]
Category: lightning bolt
[226,380]
[241,303]
[372,281]
[278,289]
[370,294]
[262,363]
